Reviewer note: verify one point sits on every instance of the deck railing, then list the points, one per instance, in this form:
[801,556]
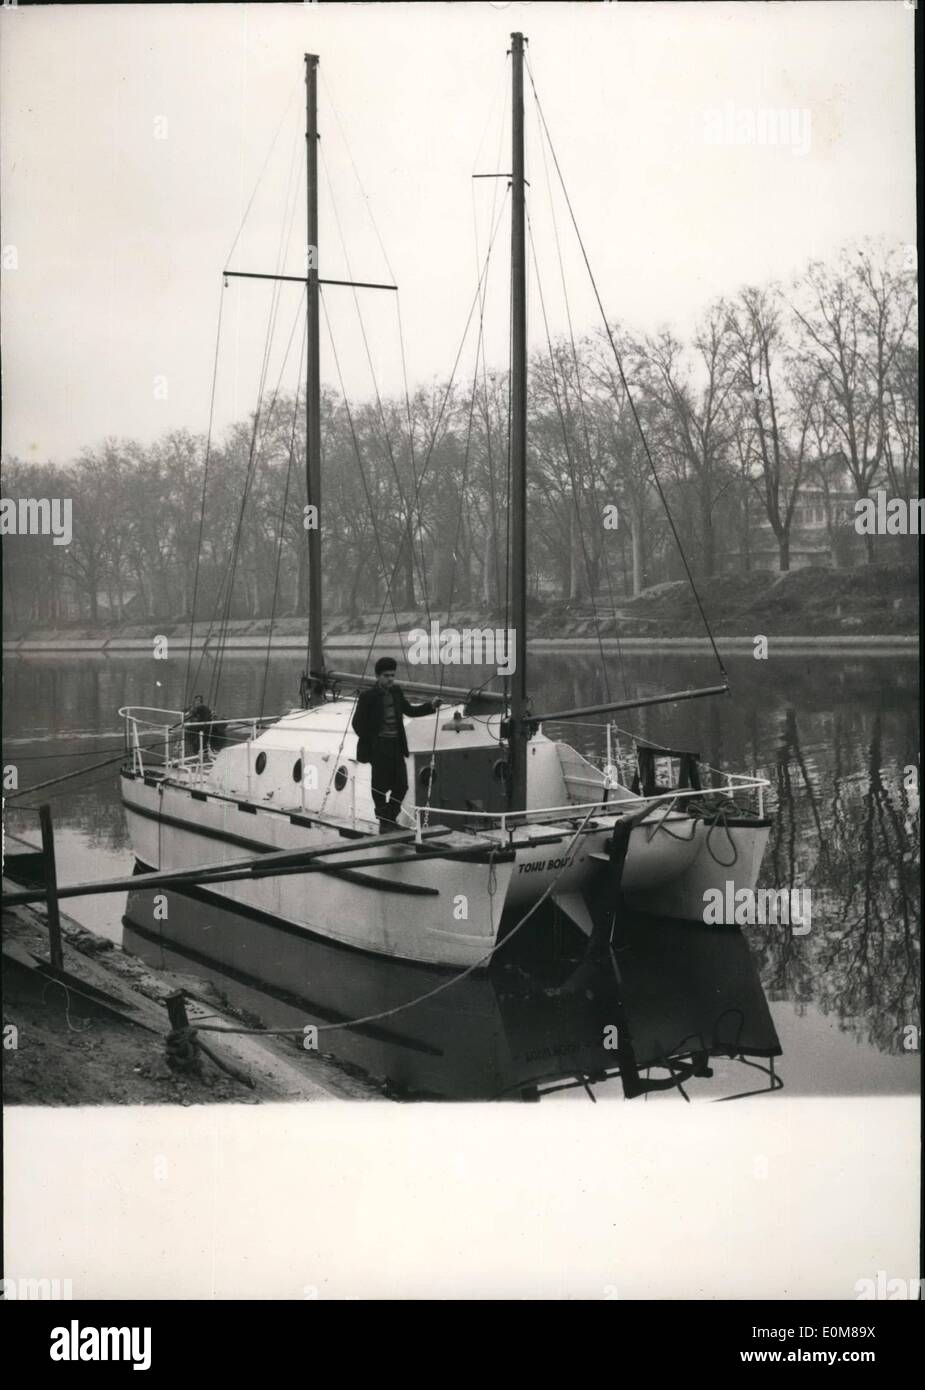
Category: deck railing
[162,744]
[507,821]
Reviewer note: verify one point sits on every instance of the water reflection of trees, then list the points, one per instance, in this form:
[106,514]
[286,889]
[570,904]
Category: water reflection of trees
[855,847]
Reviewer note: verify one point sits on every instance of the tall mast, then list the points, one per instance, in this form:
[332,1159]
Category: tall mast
[312,282]
[313,378]
[518,728]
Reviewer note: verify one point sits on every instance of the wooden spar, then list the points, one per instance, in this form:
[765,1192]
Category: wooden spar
[634,704]
[313,382]
[261,866]
[451,693]
[304,280]
[519,727]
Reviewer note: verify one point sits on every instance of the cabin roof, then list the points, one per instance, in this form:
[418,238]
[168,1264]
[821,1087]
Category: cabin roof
[330,723]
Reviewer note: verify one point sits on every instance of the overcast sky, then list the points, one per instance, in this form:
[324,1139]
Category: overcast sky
[133,137]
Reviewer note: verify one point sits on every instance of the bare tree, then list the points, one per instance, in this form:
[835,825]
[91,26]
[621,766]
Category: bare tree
[855,321]
[694,416]
[777,396]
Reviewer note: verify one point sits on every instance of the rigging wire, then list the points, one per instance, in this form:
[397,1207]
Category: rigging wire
[463,489]
[282,525]
[359,457]
[629,395]
[482,287]
[443,404]
[44,757]
[508,510]
[202,502]
[409,537]
[264,417]
[571,466]
[493,506]
[263,170]
[394,278]
[418,478]
[227,586]
[80,772]
[583,415]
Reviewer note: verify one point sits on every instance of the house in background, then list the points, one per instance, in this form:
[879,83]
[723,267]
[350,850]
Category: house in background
[822,532]
[117,607]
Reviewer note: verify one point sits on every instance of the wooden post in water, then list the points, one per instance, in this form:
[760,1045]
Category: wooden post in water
[55,952]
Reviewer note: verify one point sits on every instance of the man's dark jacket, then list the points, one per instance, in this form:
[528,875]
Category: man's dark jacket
[367,719]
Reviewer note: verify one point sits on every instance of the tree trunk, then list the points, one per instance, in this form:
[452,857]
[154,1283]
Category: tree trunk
[575,570]
[637,556]
[407,571]
[709,539]
[489,587]
[352,606]
[783,546]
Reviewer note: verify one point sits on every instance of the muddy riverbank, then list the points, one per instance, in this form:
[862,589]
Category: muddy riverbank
[101,1038]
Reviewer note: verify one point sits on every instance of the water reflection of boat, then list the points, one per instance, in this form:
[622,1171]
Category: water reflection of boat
[664,995]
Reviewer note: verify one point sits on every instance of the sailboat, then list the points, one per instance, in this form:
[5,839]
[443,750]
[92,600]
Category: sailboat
[500,819]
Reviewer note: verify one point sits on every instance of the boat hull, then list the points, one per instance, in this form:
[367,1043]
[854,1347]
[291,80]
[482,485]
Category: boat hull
[439,911]
[723,854]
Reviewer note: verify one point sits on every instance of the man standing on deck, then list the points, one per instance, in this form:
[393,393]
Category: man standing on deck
[200,716]
[378,723]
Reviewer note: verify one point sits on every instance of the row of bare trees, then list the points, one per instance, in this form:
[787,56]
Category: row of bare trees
[781,388]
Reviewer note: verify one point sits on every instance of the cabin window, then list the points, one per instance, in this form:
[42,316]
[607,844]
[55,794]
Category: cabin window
[340,778]
[426,776]
[297,771]
[261,763]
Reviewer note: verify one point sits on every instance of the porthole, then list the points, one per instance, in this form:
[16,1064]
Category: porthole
[426,775]
[340,779]
[261,763]
[501,771]
[297,771]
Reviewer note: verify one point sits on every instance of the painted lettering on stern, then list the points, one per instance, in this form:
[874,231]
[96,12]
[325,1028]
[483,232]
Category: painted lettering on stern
[540,864]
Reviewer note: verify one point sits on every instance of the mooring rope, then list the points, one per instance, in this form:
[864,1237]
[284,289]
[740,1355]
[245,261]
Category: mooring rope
[431,993]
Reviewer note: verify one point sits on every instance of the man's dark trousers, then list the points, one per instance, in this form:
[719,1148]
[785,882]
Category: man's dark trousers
[388,774]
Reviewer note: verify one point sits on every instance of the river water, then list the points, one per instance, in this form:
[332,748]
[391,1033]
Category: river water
[836,736]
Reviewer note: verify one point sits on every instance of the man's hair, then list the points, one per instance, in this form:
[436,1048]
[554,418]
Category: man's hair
[384,664]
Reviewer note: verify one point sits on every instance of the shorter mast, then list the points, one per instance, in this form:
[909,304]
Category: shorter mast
[317,679]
